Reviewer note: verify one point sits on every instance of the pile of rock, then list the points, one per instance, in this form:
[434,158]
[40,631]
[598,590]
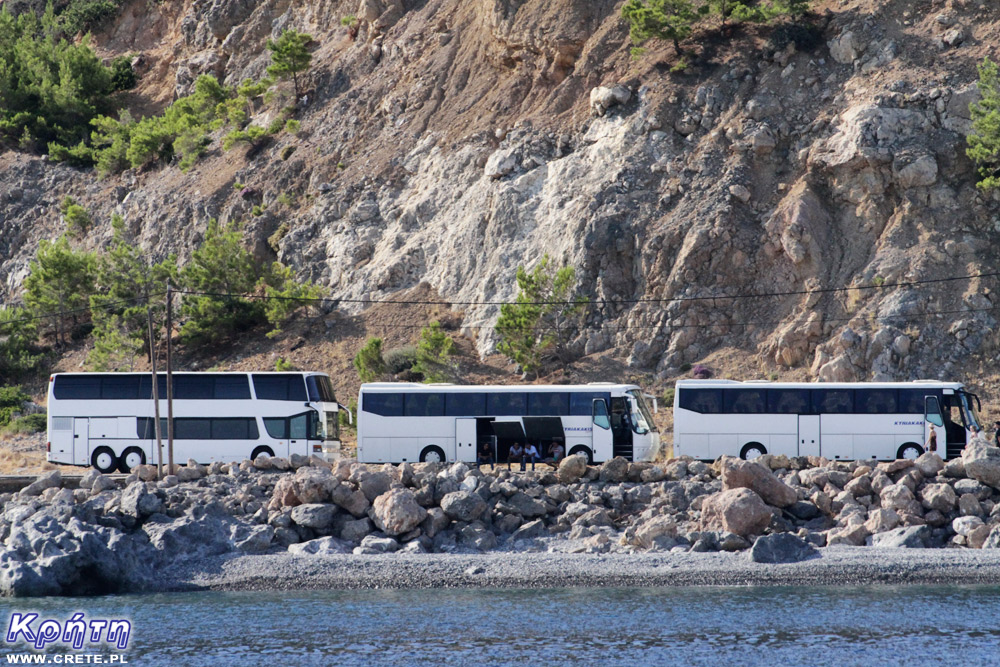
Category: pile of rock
[101,538]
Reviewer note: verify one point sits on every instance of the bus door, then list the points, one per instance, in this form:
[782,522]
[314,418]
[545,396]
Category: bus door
[465,439]
[809,444]
[602,436]
[79,447]
[621,428]
[937,420]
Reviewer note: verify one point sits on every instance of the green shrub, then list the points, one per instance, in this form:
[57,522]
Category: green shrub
[34,423]
[984,140]
[668,396]
[58,286]
[400,359]
[19,353]
[12,400]
[274,240]
[434,351]
[369,362]
[77,219]
[282,365]
[122,75]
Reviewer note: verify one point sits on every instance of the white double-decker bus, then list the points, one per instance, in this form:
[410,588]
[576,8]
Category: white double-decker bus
[107,419]
[440,422]
[846,421]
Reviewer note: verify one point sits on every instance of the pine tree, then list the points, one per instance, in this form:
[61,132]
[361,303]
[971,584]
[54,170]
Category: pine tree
[125,283]
[544,317]
[19,354]
[434,351]
[59,286]
[661,19]
[290,56]
[285,296]
[369,362]
[984,140]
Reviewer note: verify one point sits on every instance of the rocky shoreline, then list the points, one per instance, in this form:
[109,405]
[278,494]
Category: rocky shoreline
[301,523]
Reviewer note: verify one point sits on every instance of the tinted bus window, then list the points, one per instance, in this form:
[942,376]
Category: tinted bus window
[788,401]
[506,403]
[582,402]
[194,387]
[546,404]
[744,401]
[146,386]
[77,387]
[280,387]
[911,401]
[387,405]
[193,429]
[276,427]
[424,405]
[875,401]
[833,401]
[465,405]
[233,429]
[232,386]
[320,389]
[120,386]
[705,401]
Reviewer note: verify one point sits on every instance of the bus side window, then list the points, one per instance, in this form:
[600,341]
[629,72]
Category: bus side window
[277,427]
[932,411]
[601,419]
[298,426]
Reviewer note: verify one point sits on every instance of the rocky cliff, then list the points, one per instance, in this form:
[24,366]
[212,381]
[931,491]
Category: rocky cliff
[716,213]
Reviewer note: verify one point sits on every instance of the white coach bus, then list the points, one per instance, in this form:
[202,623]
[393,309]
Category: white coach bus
[107,419]
[846,421]
[441,422]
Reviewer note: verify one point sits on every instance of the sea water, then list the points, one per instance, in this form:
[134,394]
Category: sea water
[872,625]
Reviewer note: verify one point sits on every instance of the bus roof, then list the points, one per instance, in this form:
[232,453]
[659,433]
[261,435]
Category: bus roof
[195,373]
[447,387]
[757,384]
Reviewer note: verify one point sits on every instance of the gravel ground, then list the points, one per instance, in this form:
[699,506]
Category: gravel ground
[837,566]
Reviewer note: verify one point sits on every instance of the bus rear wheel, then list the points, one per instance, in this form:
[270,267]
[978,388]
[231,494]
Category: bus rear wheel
[104,460]
[909,450]
[580,449]
[262,451]
[130,458]
[752,450]
[432,454]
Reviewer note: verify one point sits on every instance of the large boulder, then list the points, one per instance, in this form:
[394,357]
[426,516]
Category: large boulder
[781,548]
[350,499]
[523,505]
[737,473]
[649,531]
[615,470]
[982,463]
[909,537]
[397,511]
[739,511]
[313,485]
[317,516]
[372,484]
[572,468]
[323,546]
[45,481]
[940,497]
[138,502]
[463,505]
[929,463]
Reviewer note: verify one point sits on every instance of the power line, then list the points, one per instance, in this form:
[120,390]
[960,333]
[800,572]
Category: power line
[604,302]
[84,309]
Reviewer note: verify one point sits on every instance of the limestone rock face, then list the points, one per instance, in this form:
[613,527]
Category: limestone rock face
[739,511]
[397,512]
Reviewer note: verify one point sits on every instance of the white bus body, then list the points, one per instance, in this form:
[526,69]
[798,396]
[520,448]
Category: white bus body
[845,421]
[107,419]
[419,422]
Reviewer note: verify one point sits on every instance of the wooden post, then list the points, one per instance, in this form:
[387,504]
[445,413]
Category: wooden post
[170,382]
[156,394]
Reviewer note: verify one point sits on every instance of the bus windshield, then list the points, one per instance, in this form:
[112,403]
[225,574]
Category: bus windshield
[971,416]
[642,420]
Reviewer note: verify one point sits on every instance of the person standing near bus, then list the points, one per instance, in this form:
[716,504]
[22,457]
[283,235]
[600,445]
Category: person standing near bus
[516,451]
[530,452]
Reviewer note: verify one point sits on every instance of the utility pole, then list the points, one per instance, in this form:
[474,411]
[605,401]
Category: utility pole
[170,381]
[156,392]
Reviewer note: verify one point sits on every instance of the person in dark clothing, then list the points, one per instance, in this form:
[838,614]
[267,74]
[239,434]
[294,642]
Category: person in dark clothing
[996,435]
[486,456]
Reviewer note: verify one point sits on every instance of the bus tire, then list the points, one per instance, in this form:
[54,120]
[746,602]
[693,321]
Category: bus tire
[262,450]
[752,450]
[909,450]
[104,460]
[580,449]
[432,454]
[130,458]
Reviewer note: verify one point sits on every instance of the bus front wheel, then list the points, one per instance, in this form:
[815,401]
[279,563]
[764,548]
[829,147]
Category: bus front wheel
[130,458]
[432,454]
[104,460]
[580,449]
[262,451]
[752,450]
[909,450]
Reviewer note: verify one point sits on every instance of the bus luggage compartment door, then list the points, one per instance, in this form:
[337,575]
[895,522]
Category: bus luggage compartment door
[809,444]
[465,439]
